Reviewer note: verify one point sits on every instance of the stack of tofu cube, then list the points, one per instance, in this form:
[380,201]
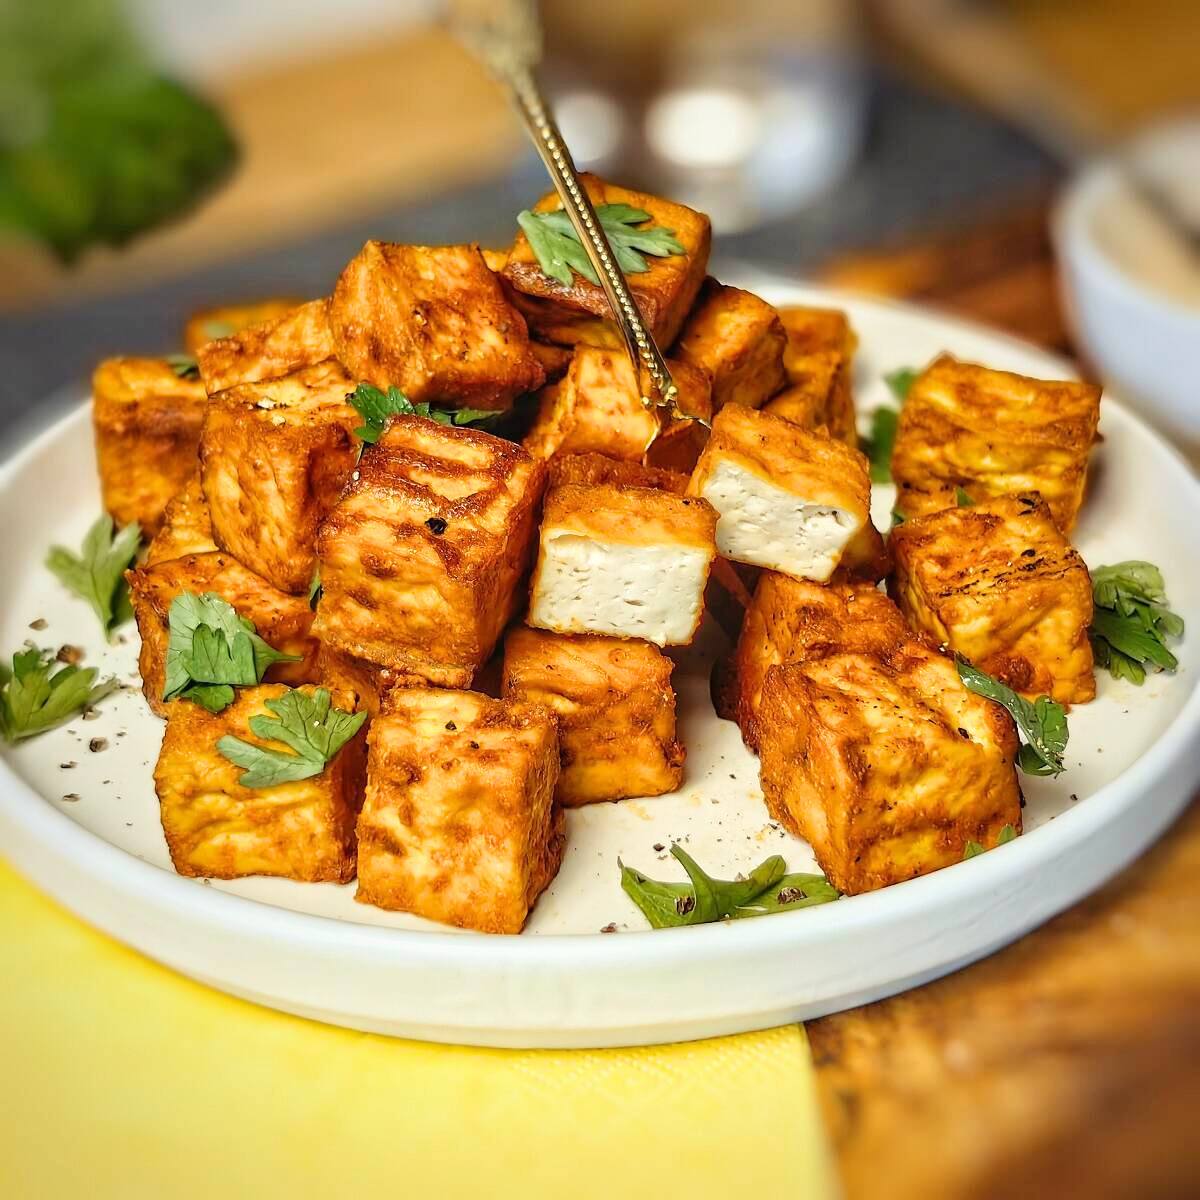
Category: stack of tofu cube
[575,558]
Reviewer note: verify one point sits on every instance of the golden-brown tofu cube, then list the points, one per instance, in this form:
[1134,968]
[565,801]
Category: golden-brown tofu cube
[281,346]
[791,620]
[993,433]
[274,458]
[459,823]
[554,359]
[739,340]
[186,527]
[615,710]
[227,319]
[887,767]
[434,322]
[788,499]
[664,292]
[818,393]
[218,828]
[367,682]
[598,468]
[999,584]
[812,330]
[622,562]
[282,621]
[147,424]
[421,559]
[597,408]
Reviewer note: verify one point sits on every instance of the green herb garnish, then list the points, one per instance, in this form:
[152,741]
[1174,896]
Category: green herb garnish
[962,500]
[314,588]
[34,697]
[376,406]
[885,420]
[1043,722]
[184,365]
[972,848]
[557,247]
[901,381]
[1131,621]
[308,724]
[767,889]
[96,573]
[211,650]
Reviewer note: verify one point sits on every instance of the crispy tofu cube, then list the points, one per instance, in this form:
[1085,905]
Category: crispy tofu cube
[274,458]
[597,408]
[791,620]
[554,359]
[367,682]
[283,621]
[434,322]
[739,341]
[788,499]
[812,330]
[219,829]
[421,560]
[622,562]
[818,393]
[887,767]
[664,292]
[993,433]
[147,424]
[597,468]
[999,584]
[615,710]
[186,527]
[459,823]
[224,321]
[281,346]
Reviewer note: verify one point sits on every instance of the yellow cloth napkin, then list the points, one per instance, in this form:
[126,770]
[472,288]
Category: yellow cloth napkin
[122,1079]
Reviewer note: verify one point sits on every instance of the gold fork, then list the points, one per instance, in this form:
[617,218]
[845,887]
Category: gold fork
[506,36]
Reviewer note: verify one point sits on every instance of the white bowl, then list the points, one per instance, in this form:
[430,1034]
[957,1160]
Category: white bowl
[1143,342]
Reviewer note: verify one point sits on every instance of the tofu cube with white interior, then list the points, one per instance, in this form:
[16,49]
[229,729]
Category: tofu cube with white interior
[459,824]
[788,499]
[624,562]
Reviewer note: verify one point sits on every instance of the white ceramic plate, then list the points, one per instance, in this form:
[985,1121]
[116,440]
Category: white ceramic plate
[310,949]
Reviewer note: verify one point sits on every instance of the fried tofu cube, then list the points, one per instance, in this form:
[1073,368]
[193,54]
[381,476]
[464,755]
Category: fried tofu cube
[367,682]
[791,620]
[887,767]
[622,562]
[597,408]
[993,433]
[274,458]
[999,584]
[554,359]
[788,499]
[434,322]
[739,340]
[664,292]
[597,468]
[615,710]
[186,527]
[224,321]
[280,346]
[812,330]
[421,559]
[818,393]
[147,424]
[217,828]
[459,823]
[282,621]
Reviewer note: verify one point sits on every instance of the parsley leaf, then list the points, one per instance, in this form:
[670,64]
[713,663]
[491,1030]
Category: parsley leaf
[376,406]
[35,697]
[973,848]
[962,500]
[96,572]
[703,899]
[557,247]
[901,380]
[308,724]
[212,646]
[184,365]
[1042,721]
[1131,620]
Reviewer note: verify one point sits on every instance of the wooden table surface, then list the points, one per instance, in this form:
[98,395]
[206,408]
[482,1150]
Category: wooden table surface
[1066,1065]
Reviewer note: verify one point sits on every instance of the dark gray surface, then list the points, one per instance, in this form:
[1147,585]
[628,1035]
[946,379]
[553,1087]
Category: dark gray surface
[927,163]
